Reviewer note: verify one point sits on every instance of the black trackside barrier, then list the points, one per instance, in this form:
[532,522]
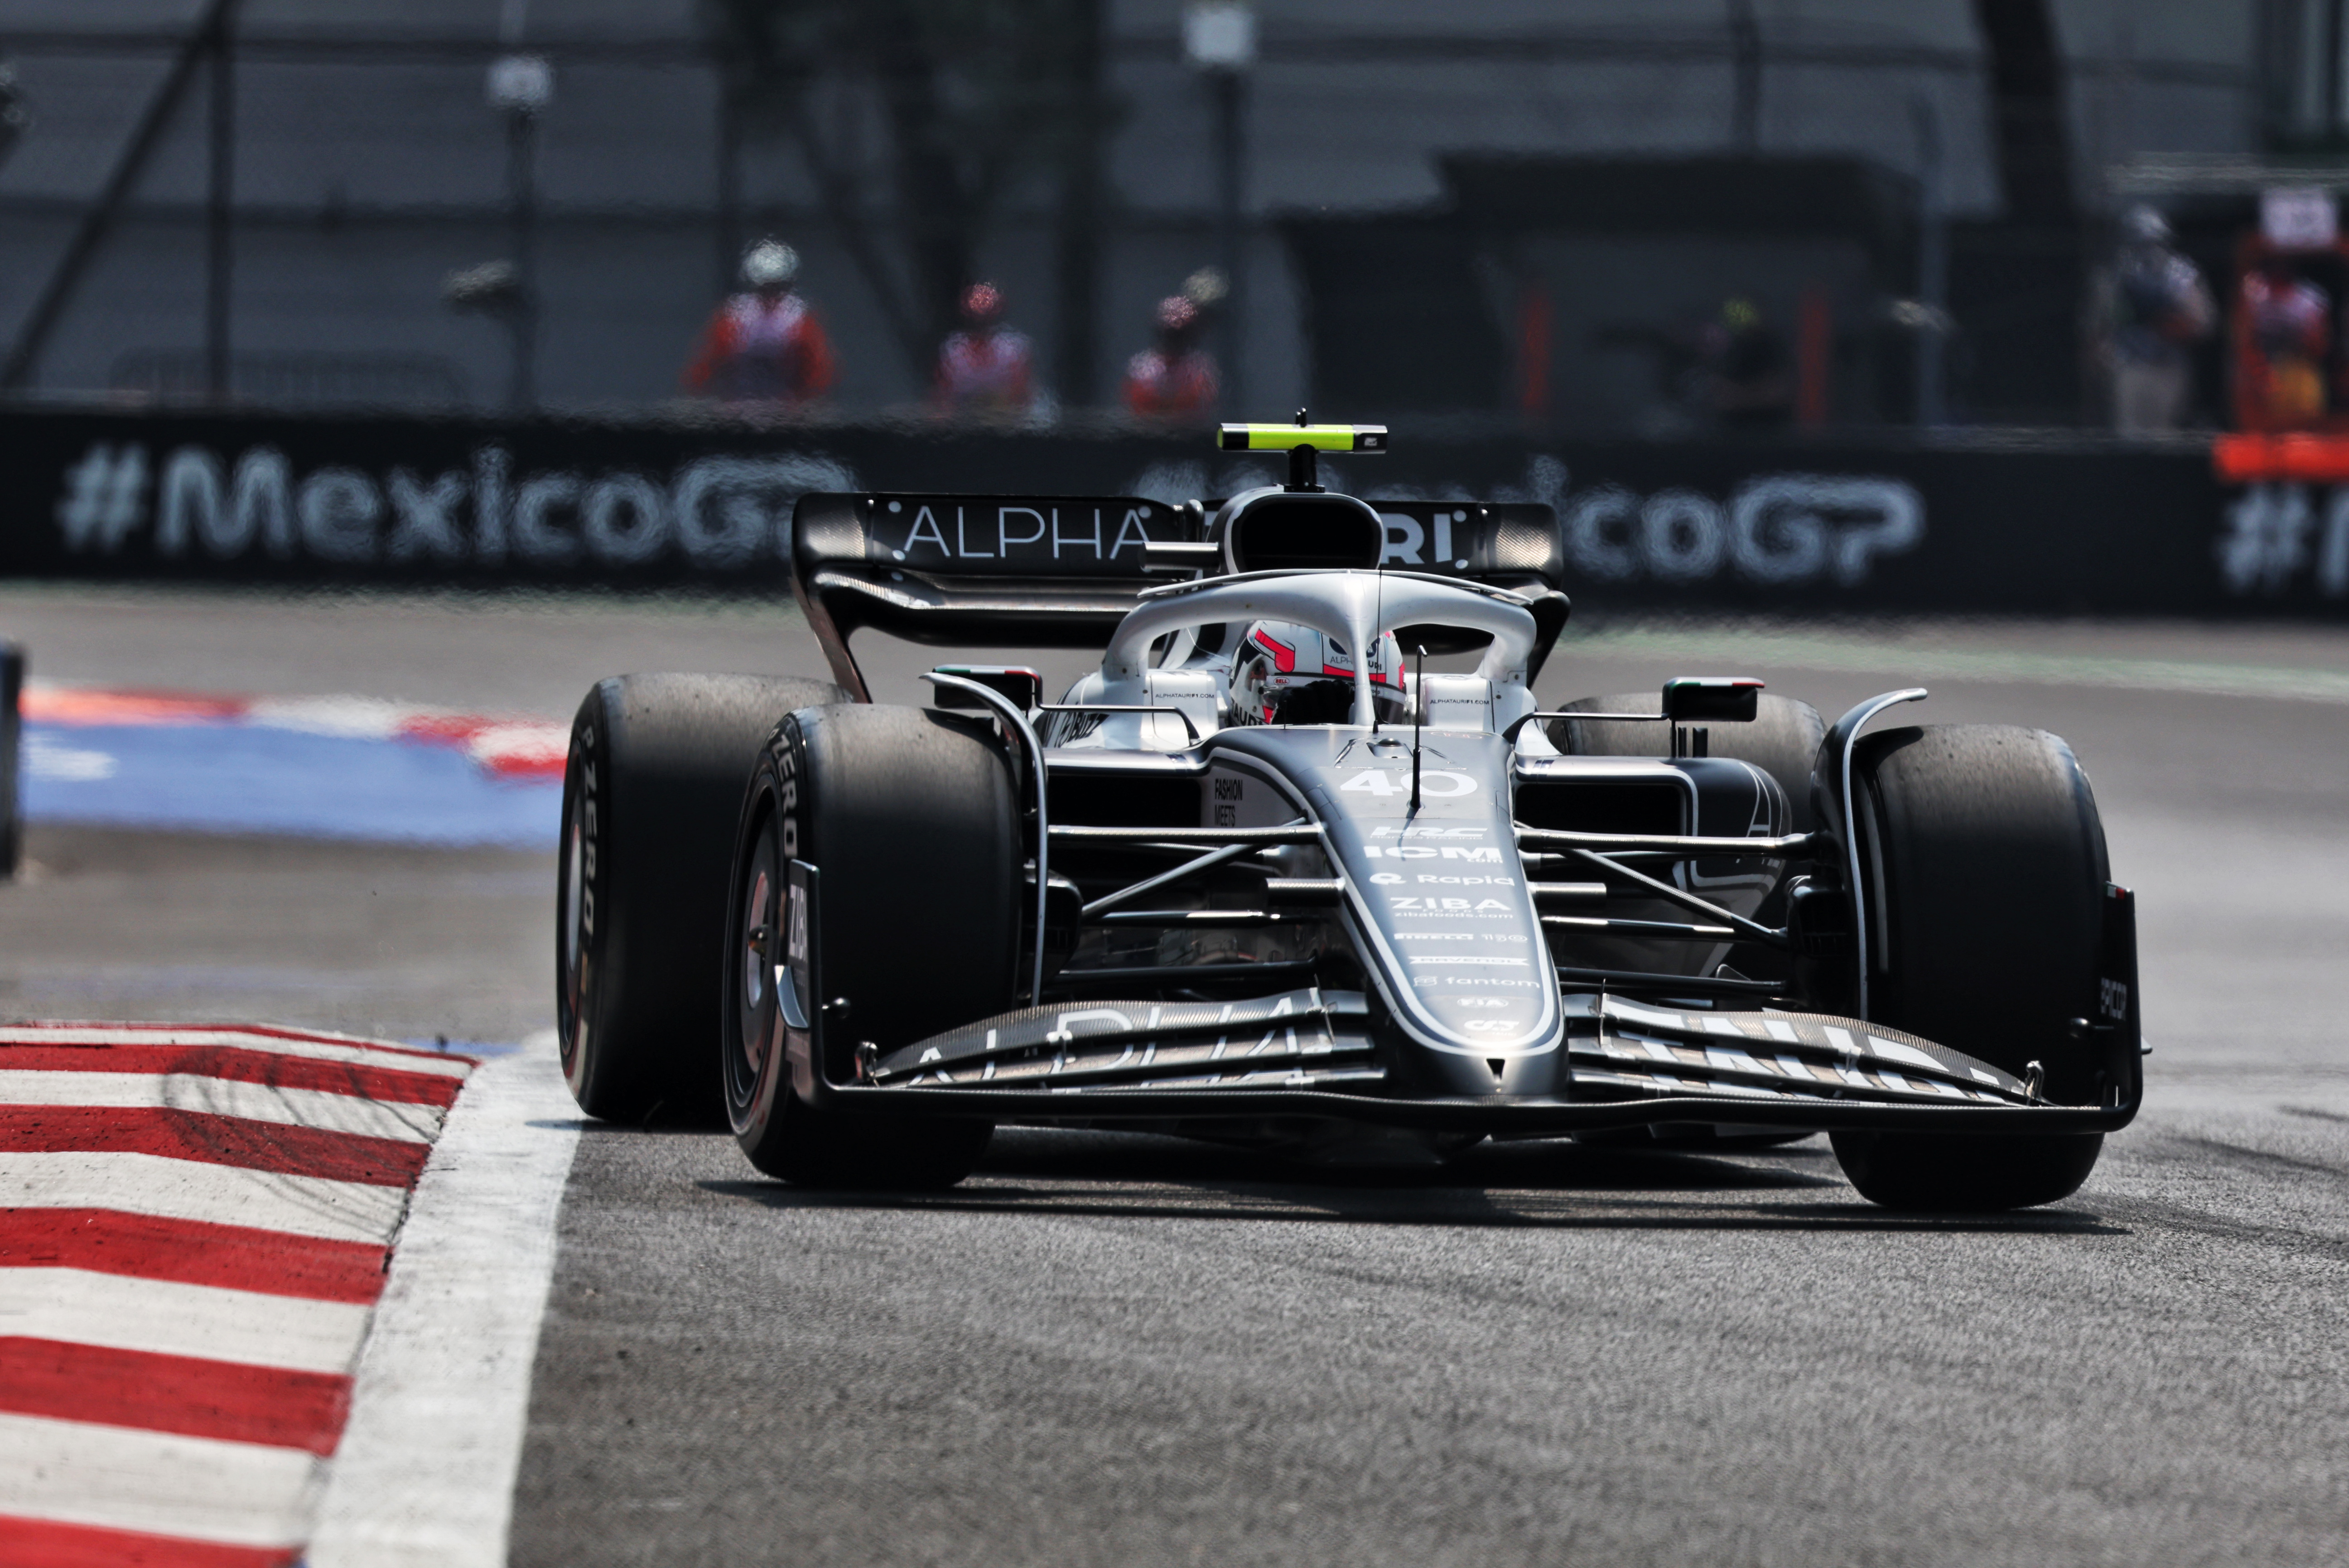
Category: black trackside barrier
[1961,524]
[12,818]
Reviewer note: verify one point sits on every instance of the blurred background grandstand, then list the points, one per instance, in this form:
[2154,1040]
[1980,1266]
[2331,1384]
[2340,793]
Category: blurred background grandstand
[1560,212]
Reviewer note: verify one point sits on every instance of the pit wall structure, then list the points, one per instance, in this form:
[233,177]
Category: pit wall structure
[1967,524]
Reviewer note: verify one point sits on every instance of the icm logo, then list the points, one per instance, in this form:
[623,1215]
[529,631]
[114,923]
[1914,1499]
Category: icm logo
[1783,528]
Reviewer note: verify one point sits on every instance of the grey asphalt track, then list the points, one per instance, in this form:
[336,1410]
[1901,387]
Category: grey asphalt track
[1123,1350]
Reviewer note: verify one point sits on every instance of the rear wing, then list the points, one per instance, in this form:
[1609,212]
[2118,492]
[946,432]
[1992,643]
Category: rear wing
[1060,571]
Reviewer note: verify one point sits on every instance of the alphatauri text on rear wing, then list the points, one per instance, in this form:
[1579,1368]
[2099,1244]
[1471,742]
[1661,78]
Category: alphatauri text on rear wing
[1061,571]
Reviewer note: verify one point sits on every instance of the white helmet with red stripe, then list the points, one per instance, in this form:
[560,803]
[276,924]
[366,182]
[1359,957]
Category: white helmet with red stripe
[1285,674]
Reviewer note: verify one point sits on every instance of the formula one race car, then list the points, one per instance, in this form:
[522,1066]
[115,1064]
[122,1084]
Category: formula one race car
[1266,878]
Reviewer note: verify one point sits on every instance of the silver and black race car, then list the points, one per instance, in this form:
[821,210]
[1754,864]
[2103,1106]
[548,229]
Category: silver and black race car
[1304,866]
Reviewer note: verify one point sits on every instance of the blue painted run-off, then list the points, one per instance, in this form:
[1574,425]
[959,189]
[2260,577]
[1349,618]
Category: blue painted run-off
[249,778]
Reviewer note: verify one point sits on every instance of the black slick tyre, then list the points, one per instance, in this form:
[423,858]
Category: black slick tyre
[1782,741]
[911,819]
[1965,1173]
[650,796]
[1986,860]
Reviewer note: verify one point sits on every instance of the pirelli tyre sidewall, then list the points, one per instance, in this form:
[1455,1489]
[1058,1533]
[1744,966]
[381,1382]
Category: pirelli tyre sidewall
[911,821]
[579,900]
[650,788]
[1986,866]
[757,1072]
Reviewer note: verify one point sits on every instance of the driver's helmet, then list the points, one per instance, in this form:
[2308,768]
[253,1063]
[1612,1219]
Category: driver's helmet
[1288,674]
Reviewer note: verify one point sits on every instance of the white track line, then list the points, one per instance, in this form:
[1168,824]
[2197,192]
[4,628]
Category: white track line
[320,1108]
[425,1475]
[161,1482]
[1897,659]
[164,1317]
[172,1189]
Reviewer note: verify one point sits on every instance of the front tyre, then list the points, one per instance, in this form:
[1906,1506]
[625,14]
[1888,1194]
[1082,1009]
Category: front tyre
[910,818]
[650,795]
[1966,1172]
[1986,846]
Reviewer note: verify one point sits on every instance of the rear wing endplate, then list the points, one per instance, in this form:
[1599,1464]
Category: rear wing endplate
[1060,571]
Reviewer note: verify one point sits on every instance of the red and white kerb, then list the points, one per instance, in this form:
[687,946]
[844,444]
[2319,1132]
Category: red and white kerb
[195,1224]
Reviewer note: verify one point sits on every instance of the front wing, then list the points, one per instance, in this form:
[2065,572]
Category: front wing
[1311,1053]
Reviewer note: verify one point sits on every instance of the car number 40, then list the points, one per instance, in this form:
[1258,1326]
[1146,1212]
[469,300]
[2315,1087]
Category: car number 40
[1434,784]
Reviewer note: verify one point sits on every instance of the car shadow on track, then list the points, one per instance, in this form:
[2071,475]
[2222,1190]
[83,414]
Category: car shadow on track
[1546,1184]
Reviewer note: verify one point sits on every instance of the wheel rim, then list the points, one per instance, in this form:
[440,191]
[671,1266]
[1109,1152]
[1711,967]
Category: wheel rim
[573,882]
[575,956]
[757,916]
[753,943]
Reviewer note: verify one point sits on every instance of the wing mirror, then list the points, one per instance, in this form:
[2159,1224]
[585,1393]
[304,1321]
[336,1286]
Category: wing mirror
[1023,688]
[1711,699]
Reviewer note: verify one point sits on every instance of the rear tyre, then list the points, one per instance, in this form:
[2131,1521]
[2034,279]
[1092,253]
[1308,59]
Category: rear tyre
[910,818]
[651,797]
[1987,847]
[1782,740]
